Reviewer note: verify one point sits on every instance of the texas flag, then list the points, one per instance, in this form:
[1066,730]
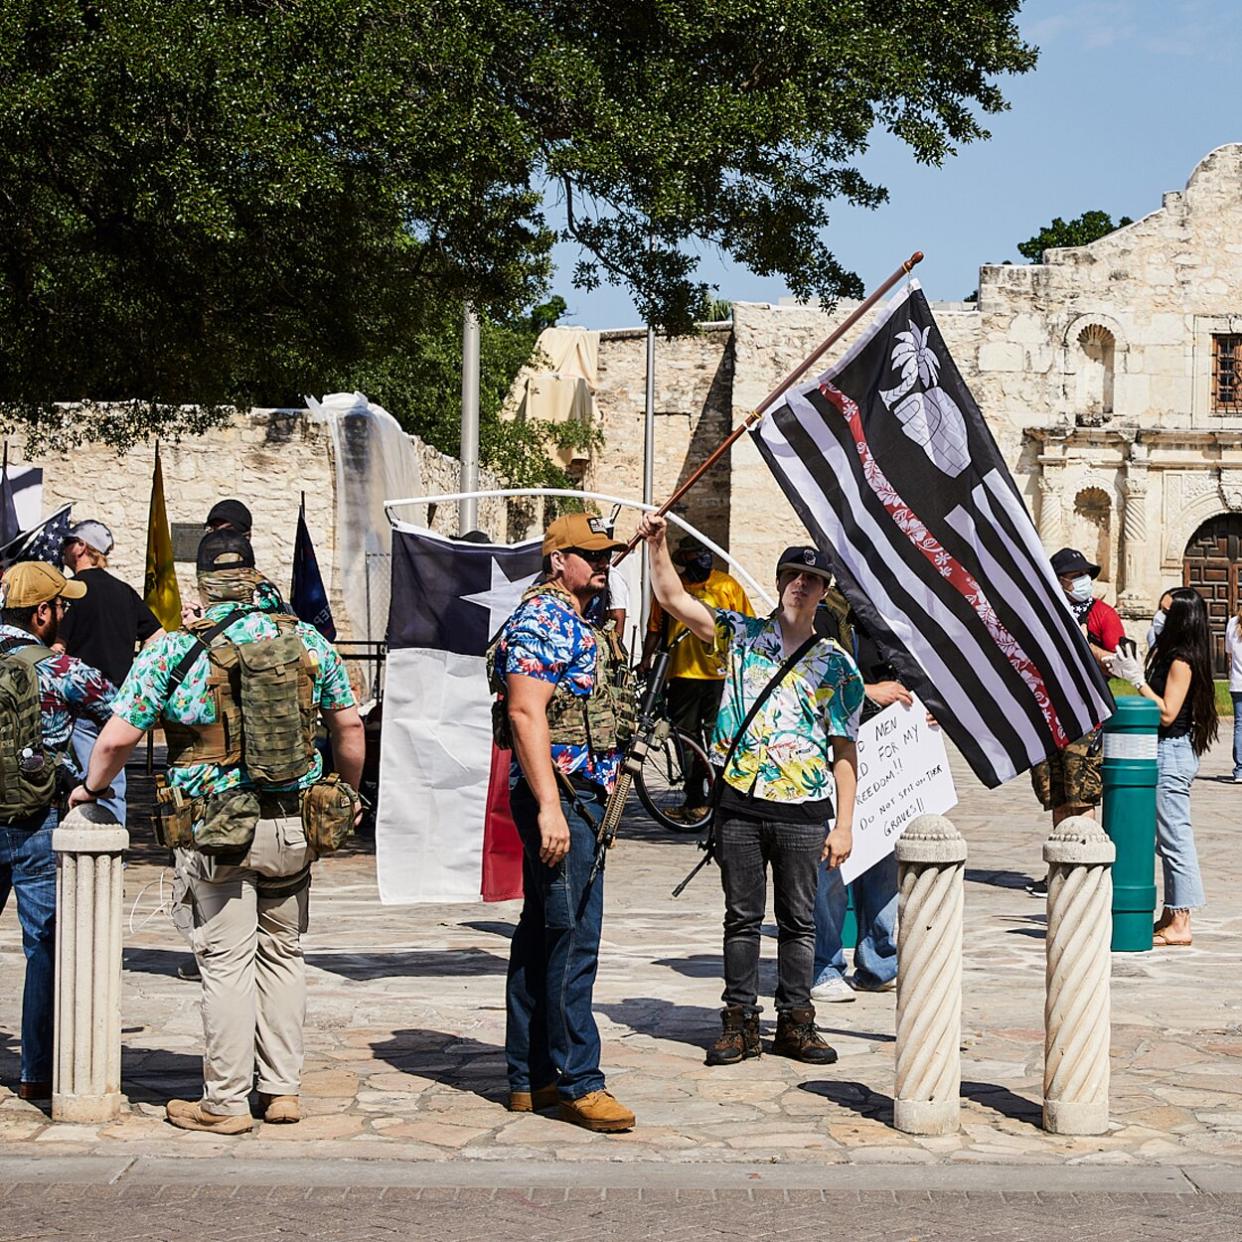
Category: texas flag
[443,831]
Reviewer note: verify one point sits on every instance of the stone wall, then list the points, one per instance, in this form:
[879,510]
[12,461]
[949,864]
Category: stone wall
[267,459]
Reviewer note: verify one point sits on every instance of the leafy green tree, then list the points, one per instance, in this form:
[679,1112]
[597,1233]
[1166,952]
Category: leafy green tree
[228,202]
[1082,231]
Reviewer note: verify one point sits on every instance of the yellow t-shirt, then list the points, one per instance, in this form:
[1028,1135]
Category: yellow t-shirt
[691,657]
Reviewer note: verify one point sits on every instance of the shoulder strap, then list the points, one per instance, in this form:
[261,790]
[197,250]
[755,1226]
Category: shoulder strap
[202,641]
[760,699]
[30,653]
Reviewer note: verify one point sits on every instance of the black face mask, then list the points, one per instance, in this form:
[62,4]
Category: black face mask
[698,568]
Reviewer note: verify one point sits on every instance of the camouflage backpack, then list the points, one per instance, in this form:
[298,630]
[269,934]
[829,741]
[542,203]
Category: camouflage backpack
[264,692]
[27,771]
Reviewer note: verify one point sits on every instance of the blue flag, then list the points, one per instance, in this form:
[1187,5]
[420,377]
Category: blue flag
[306,592]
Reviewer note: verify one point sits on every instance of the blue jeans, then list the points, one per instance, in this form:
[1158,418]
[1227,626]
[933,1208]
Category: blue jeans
[875,908]
[85,733]
[1236,696]
[550,1031]
[28,868]
[1176,765]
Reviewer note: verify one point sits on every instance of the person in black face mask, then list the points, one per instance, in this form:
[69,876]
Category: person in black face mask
[695,674]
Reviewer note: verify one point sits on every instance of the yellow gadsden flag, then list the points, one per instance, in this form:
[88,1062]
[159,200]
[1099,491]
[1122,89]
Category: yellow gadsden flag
[160,587]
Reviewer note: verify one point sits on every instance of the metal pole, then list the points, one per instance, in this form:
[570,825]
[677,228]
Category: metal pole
[468,509]
[648,477]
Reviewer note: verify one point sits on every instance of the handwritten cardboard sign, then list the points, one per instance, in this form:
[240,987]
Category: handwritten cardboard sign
[903,772]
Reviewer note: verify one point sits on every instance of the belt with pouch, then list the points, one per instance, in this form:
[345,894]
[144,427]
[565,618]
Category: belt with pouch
[285,805]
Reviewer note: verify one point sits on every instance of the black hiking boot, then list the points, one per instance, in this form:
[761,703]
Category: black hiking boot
[797,1037]
[739,1037]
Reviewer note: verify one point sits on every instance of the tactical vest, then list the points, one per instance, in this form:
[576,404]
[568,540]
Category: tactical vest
[264,696]
[602,720]
[27,771]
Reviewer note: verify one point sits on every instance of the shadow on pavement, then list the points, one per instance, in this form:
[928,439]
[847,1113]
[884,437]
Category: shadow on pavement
[504,930]
[1002,1100]
[857,1097]
[157,961]
[156,1075]
[695,1025]
[998,879]
[432,963]
[454,1060]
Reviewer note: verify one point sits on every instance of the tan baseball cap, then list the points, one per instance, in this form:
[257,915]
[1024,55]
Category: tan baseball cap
[579,530]
[36,582]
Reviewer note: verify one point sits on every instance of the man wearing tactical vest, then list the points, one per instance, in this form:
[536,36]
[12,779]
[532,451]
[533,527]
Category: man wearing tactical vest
[238,695]
[558,706]
[42,694]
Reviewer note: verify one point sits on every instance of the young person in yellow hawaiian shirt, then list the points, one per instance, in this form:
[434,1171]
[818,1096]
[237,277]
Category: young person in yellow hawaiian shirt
[776,803]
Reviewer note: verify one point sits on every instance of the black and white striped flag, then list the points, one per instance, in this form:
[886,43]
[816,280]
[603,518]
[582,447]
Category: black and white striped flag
[890,464]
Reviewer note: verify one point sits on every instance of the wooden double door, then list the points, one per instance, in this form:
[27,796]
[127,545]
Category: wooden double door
[1211,567]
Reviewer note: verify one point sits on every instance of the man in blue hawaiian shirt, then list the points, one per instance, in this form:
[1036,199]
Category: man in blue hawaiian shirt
[776,802]
[550,672]
[249,911]
[36,596]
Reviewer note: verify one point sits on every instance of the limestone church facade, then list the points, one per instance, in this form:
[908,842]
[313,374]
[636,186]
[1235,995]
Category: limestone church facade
[1111,375]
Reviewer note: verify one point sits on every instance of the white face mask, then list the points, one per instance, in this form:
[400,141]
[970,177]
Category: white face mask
[1157,622]
[1080,589]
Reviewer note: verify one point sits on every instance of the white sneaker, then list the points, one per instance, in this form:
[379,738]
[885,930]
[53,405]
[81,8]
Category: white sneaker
[835,990]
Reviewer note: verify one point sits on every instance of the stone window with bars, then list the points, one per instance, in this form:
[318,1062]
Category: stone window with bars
[1227,373]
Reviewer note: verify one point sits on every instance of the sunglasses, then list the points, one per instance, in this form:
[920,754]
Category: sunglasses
[593,556]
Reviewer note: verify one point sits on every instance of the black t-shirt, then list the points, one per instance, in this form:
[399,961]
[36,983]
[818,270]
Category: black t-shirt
[106,624]
[747,806]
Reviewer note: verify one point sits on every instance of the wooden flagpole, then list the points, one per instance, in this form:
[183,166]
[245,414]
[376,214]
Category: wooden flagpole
[788,382]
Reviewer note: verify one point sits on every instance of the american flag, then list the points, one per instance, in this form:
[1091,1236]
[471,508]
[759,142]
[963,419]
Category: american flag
[44,542]
[889,462]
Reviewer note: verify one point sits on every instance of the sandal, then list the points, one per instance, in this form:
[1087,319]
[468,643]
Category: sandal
[1160,941]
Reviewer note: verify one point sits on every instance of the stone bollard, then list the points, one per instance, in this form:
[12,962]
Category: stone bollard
[931,858]
[1076,1008]
[86,1082]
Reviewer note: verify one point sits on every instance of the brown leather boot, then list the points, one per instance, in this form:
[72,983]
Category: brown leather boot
[739,1036]
[534,1101]
[600,1111]
[797,1037]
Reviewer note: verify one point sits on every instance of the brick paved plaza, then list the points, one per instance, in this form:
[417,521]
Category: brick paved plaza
[405,1072]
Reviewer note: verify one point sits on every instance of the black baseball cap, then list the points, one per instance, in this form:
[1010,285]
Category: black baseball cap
[806,560]
[1069,563]
[231,513]
[224,549]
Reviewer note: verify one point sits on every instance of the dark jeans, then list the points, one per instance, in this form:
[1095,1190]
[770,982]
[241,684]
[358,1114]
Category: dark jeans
[745,848]
[693,703]
[28,868]
[550,1032]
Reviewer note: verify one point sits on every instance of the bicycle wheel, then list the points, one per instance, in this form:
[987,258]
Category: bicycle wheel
[661,783]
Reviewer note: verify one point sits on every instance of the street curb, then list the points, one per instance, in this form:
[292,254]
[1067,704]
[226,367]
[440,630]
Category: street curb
[147,1171]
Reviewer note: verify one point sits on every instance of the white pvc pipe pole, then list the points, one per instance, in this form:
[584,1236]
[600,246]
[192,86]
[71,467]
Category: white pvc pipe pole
[506,492]
[648,478]
[468,506]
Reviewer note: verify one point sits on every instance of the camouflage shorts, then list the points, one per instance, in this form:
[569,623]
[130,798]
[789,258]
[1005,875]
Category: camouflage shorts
[1073,777]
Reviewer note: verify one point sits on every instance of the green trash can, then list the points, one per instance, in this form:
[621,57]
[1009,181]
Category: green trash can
[1129,772]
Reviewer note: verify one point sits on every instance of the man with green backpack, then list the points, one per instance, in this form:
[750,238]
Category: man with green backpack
[238,695]
[42,694]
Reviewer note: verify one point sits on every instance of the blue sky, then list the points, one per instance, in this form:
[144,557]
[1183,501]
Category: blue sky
[1127,97]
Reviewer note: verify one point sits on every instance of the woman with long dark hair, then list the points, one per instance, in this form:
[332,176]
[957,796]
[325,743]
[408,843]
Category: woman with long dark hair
[1178,679]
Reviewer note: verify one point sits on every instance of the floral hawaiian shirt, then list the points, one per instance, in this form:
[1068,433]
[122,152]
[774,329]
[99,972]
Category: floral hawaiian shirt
[68,689]
[786,754]
[547,639]
[145,697]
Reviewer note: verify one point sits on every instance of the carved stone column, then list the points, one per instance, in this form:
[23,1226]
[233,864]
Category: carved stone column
[1133,597]
[1077,1008]
[86,1076]
[1051,501]
[931,858]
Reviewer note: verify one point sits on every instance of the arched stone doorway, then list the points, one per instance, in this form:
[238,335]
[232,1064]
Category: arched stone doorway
[1210,566]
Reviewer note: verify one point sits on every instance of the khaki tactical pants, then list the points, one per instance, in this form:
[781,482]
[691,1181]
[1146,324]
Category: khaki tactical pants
[247,939]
